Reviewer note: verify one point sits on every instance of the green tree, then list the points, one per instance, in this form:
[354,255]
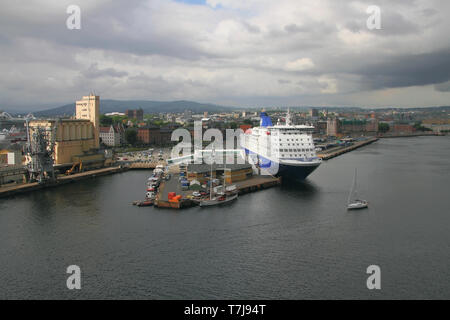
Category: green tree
[105,121]
[383,127]
[419,127]
[119,119]
[131,136]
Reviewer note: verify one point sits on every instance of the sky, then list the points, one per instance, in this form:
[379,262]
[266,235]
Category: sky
[229,52]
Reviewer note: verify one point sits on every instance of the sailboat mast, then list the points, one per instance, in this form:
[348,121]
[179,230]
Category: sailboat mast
[352,188]
[224,171]
[210,175]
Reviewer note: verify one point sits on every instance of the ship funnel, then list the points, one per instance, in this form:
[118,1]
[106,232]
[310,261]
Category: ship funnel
[265,120]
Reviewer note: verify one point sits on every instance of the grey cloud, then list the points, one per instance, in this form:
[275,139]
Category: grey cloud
[252,28]
[429,12]
[294,28]
[94,72]
[442,87]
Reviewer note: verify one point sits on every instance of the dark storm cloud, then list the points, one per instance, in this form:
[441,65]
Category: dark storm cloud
[163,49]
[407,70]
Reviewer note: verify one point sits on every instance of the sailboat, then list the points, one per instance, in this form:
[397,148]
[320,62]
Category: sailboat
[353,201]
[222,198]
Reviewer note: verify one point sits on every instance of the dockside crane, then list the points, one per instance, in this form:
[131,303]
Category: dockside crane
[40,150]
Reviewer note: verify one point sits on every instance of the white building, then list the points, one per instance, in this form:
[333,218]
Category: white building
[112,136]
[114,114]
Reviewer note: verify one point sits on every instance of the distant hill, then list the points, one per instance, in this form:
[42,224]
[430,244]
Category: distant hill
[107,106]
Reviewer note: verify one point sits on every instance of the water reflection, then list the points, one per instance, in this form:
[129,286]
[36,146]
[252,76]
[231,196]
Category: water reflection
[305,189]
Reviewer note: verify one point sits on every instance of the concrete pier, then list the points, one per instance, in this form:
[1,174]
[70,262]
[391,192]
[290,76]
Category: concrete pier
[28,187]
[356,145]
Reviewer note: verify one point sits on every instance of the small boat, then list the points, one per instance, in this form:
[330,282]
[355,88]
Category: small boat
[145,203]
[353,202]
[358,204]
[222,199]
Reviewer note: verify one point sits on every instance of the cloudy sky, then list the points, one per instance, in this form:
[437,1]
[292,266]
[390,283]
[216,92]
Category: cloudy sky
[231,52]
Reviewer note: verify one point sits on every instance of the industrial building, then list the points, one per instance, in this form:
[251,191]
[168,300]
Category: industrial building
[233,172]
[75,139]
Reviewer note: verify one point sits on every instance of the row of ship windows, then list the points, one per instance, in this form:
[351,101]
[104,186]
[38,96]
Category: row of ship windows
[297,144]
[292,155]
[296,139]
[296,150]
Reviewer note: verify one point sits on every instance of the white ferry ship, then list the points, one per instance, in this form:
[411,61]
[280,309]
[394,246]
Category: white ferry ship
[284,149]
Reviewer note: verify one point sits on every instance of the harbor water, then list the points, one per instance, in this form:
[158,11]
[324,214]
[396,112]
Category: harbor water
[296,241]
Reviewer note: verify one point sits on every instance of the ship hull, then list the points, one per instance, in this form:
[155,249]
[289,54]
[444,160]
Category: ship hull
[297,171]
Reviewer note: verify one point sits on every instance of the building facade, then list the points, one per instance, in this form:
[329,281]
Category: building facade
[112,136]
[333,127]
[88,108]
[154,135]
[137,114]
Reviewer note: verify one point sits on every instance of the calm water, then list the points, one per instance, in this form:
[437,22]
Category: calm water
[292,242]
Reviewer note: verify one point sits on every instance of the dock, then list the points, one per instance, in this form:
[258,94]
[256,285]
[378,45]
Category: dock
[252,184]
[11,190]
[339,151]
[256,183]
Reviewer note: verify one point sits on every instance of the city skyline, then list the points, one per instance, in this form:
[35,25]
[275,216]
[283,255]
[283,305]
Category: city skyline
[226,52]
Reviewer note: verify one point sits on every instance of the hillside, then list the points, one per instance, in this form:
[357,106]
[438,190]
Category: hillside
[107,106]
